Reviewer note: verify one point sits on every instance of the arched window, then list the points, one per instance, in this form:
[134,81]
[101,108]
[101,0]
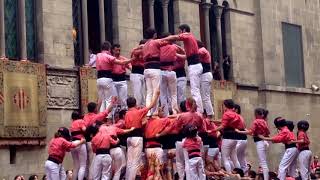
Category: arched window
[11,28]
[158,16]
[77,32]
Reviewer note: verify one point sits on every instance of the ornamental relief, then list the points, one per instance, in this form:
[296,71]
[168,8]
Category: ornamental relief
[63,91]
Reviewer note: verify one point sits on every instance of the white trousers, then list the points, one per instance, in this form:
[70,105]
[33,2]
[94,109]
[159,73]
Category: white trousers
[206,81]
[153,78]
[157,151]
[262,155]
[90,157]
[241,154]
[121,91]
[196,169]
[79,156]
[180,160]
[181,89]
[101,167]
[168,91]
[304,161]
[229,151]
[288,158]
[118,162]
[195,72]
[54,171]
[213,152]
[134,154]
[105,92]
[138,88]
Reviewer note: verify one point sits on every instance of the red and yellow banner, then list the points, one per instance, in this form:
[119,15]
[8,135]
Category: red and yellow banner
[88,85]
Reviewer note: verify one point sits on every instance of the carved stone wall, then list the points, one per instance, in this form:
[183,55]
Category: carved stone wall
[63,88]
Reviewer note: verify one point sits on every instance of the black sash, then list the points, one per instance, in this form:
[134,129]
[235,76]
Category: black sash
[104,74]
[119,77]
[102,151]
[136,133]
[180,72]
[206,67]
[55,160]
[287,146]
[193,59]
[137,70]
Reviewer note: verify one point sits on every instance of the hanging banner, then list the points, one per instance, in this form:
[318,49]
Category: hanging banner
[88,86]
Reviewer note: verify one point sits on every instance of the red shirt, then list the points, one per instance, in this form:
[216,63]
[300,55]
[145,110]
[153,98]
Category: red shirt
[102,140]
[205,56]
[151,48]
[134,117]
[91,118]
[179,63]
[58,147]
[155,126]
[260,127]
[118,68]
[120,124]
[112,130]
[192,144]
[193,118]
[284,136]
[231,119]
[104,61]
[78,126]
[139,58]
[168,53]
[303,136]
[210,126]
[190,43]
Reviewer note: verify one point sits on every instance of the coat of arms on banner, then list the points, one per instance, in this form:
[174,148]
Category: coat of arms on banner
[22,100]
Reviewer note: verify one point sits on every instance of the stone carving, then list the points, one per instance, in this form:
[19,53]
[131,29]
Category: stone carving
[63,89]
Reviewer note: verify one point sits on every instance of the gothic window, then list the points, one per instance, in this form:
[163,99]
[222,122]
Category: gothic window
[293,55]
[77,31]
[11,31]
[158,17]
[171,17]
[30,29]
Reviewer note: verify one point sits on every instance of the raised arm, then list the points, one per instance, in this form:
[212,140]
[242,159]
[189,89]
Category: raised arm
[123,62]
[172,38]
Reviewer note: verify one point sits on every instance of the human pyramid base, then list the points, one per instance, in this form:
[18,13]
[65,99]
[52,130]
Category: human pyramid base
[171,137]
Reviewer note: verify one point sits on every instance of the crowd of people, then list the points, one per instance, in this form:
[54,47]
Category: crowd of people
[164,134]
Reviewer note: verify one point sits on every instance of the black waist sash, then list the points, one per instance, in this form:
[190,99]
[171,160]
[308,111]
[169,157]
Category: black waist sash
[55,160]
[136,133]
[152,63]
[256,139]
[230,133]
[102,151]
[287,146]
[304,149]
[104,74]
[180,72]
[193,59]
[167,63]
[206,67]
[119,77]
[137,69]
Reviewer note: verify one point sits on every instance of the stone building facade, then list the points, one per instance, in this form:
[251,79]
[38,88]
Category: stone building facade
[260,37]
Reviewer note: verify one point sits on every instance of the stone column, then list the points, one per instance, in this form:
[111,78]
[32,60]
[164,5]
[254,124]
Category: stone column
[151,12]
[206,7]
[84,10]
[2,31]
[102,22]
[22,29]
[218,12]
[165,4]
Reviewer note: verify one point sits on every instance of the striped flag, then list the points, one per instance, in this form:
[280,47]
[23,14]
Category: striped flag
[21,100]
[1,98]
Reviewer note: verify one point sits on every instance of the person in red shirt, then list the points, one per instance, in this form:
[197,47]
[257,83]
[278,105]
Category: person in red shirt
[260,127]
[119,76]
[213,150]
[136,77]
[284,136]
[57,148]
[79,154]
[194,66]
[193,147]
[101,144]
[135,118]
[104,63]
[229,123]
[151,58]
[305,154]
[206,79]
